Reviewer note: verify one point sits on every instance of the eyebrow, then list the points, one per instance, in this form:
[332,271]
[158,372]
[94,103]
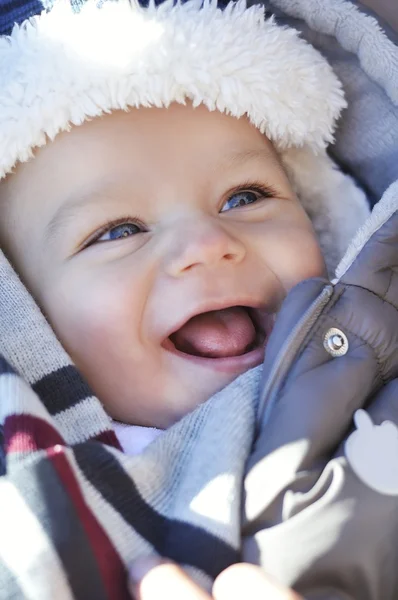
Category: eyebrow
[72,205]
[242,157]
[81,200]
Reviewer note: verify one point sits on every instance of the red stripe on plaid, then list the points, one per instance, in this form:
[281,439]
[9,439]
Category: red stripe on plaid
[26,433]
[113,572]
[108,438]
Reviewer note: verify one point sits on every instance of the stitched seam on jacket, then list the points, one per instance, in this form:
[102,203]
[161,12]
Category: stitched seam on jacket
[337,294]
[360,287]
[388,287]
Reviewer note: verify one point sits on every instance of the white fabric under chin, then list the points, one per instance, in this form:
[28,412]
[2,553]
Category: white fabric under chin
[134,438]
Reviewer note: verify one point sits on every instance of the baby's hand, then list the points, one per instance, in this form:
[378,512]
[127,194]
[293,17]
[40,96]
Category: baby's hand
[152,580]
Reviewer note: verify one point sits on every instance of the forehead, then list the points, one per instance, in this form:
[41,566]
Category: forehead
[177,128]
[123,150]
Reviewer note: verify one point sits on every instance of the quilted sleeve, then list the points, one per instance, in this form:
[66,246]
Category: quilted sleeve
[318,517]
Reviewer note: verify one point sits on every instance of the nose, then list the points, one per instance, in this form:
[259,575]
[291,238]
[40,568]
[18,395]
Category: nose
[202,242]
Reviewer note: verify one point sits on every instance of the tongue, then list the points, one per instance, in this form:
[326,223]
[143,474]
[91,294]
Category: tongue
[217,334]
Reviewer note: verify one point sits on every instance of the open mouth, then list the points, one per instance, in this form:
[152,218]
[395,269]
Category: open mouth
[218,334]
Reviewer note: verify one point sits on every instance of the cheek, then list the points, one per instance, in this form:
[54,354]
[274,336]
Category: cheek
[95,314]
[291,251]
[301,260]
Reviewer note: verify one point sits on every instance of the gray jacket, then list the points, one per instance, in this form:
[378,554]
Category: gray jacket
[318,515]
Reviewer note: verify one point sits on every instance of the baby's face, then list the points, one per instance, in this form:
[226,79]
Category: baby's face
[159,244]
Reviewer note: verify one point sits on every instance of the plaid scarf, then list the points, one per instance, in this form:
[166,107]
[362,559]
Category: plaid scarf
[78,509]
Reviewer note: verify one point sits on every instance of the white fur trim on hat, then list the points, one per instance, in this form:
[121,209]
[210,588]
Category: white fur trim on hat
[62,68]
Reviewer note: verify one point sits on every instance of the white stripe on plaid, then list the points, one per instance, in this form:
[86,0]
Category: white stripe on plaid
[128,543]
[27,550]
[75,426]
[18,398]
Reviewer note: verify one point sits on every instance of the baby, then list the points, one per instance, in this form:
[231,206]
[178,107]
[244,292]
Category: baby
[155,185]
[160,244]
[160,241]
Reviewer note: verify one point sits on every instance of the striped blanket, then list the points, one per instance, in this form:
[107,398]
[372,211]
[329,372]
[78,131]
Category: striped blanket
[76,508]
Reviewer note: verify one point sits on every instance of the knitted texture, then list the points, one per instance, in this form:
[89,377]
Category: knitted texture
[85,509]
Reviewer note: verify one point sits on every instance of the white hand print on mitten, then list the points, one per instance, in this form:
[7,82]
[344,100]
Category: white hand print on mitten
[372,452]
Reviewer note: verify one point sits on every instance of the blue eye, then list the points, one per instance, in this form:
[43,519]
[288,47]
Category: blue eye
[118,232]
[240,199]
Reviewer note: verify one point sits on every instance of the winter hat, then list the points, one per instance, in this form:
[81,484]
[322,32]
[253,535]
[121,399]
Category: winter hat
[61,68]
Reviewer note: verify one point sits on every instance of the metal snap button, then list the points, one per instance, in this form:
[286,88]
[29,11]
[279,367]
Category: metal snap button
[335,342]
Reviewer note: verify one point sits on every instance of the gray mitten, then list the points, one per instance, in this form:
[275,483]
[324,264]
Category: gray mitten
[321,501]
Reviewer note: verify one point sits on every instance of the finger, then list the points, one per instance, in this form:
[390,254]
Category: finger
[152,580]
[248,581]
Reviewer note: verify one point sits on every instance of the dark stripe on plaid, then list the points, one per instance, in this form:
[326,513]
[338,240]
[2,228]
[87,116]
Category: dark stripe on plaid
[2,454]
[60,520]
[109,438]
[25,433]
[62,389]
[182,542]
[5,367]
[113,573]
